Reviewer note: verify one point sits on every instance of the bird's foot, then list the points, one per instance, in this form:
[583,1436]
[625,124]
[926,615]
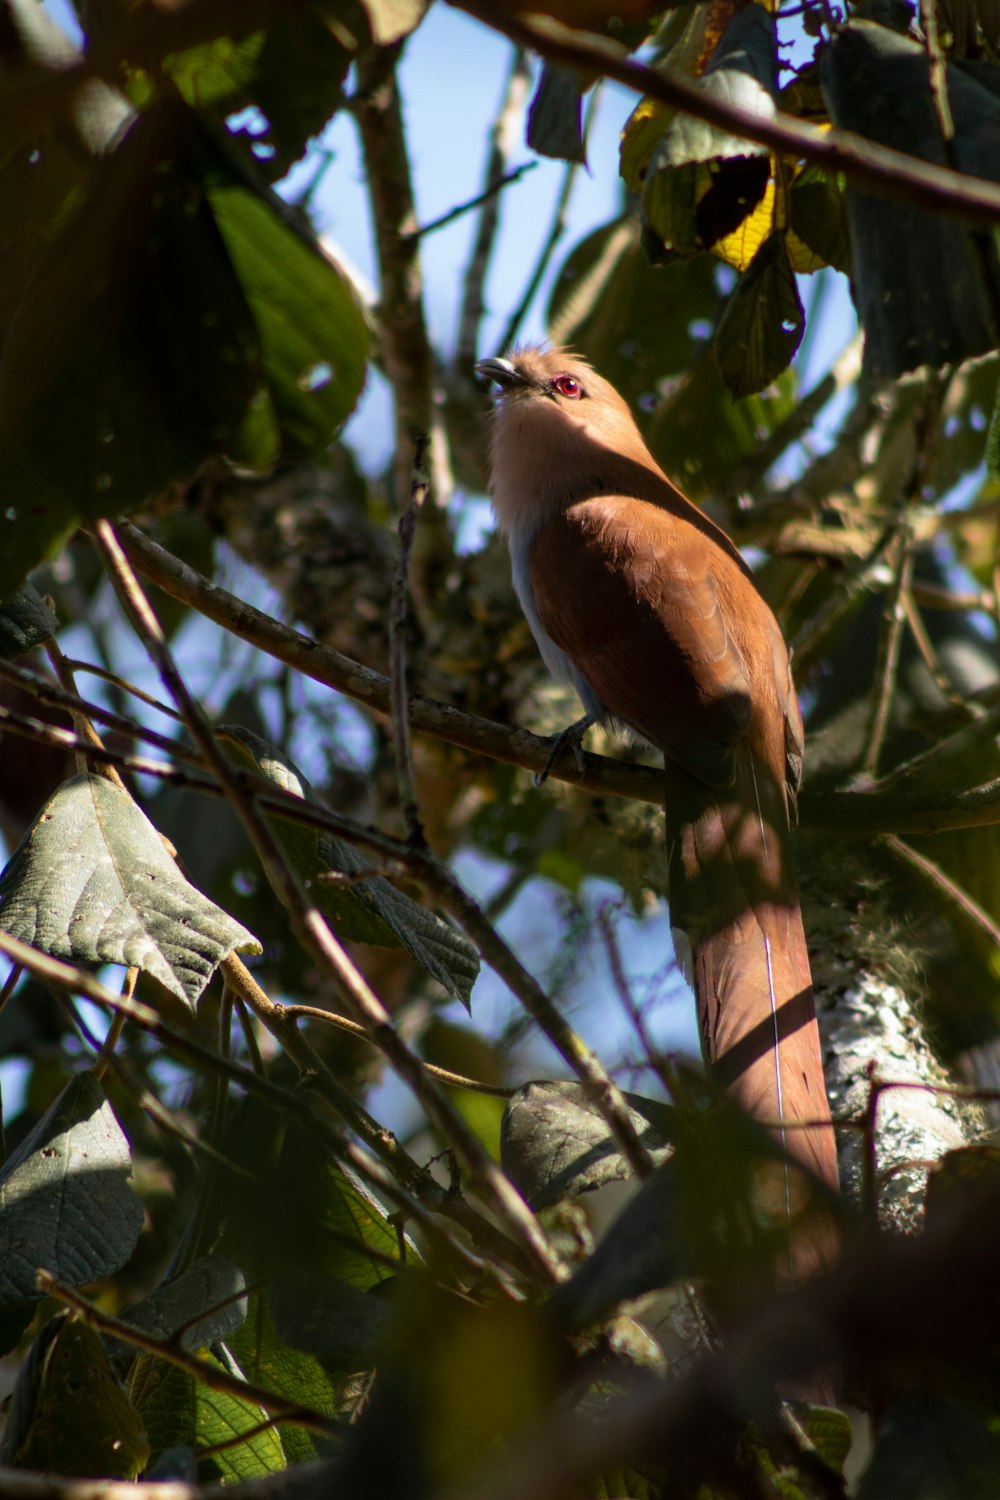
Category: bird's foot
[571,736]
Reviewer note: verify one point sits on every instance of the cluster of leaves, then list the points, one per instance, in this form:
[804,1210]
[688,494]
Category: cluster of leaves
[771,216]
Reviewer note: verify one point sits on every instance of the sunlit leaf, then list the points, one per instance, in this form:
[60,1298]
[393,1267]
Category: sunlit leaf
[92,881]
[555,1143]
[818,234]
[268,1360]
[179,1411]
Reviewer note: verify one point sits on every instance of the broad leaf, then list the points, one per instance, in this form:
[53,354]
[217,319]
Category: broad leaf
[763,323]
[66,1200]
[301,1213]
[930,1448]
[927,287]
[268,1360]
[225,76]
[343,1326]
[702,182]
[554,118]
[819,227]
[43,171]
[92,881]
[177,1411]
[176,289]
[369,910]
[198,1307]
[69,1415]
[555,1144]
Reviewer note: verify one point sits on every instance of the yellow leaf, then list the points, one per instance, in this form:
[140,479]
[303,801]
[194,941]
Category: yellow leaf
[739,248]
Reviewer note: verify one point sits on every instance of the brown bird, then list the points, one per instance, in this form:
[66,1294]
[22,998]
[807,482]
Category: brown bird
[647,608]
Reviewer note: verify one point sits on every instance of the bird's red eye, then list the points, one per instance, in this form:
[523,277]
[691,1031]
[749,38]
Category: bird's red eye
[567,385]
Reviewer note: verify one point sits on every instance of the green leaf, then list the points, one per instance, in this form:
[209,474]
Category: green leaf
[176,317]
[702,181]
[829,1431]
[554,118]
[927,287]
[197,1307]
[69,1416]
[313,44]
[43,170]
[301,1213]
[91,881]
[930,1448]
[370,910]
[133,354]
[818,209]
[66,1200]
[343,1326]
[312,333]
[763,323]
[268,1360]
[179,1411]
[555,1144]
[25,621]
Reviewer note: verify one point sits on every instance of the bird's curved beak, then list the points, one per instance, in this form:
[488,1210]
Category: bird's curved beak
[506,375]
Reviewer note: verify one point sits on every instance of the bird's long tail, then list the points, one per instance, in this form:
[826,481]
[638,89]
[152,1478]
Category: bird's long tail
[733,892]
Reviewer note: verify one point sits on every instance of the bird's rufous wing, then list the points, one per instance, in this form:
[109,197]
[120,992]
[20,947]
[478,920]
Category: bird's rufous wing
[643,608]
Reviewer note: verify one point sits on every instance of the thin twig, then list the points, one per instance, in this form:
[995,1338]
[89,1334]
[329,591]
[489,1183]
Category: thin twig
[371,689]
[944,883]
[557,229]
[886,807]
[887,656]
[211,1375]
[932,661]
[105,1054]
[70,699]
[417,1191]
[414,508]
[504,138]
[938,75]
[493,188]
[601,1088]
[124,686]
[861,578]
[879,168]
[454,1080]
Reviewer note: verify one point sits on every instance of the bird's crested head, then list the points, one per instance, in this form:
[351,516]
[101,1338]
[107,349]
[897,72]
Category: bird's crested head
[558,428]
